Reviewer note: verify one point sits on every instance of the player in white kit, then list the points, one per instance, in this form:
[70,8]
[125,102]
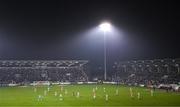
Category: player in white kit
[78,94]
[107,97]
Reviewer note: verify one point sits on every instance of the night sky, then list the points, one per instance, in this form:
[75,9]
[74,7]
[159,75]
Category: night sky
[57,29]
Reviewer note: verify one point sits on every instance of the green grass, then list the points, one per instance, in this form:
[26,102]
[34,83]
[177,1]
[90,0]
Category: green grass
[25,96]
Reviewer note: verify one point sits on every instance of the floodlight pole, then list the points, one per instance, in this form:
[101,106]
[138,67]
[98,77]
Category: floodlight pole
[105,68]
[105,27]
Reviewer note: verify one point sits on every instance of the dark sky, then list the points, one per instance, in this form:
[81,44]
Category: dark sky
[49,29]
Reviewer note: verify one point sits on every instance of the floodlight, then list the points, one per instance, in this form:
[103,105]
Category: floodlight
[105,26]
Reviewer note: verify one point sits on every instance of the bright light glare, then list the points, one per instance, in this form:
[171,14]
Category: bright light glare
[106,27]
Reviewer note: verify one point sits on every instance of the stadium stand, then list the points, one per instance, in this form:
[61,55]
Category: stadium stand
[148,72]
[14,71]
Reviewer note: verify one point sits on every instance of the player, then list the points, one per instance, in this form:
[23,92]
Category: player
[139,95]
[40,97]
[117,91]
[60,97]
[104,89]
[78,94]
[131,92]
[73,93]
[94,95]
[55,93]
[107,97]
[152,93]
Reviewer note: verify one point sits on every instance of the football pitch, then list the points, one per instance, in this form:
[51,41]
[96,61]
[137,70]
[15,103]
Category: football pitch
[89,95]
